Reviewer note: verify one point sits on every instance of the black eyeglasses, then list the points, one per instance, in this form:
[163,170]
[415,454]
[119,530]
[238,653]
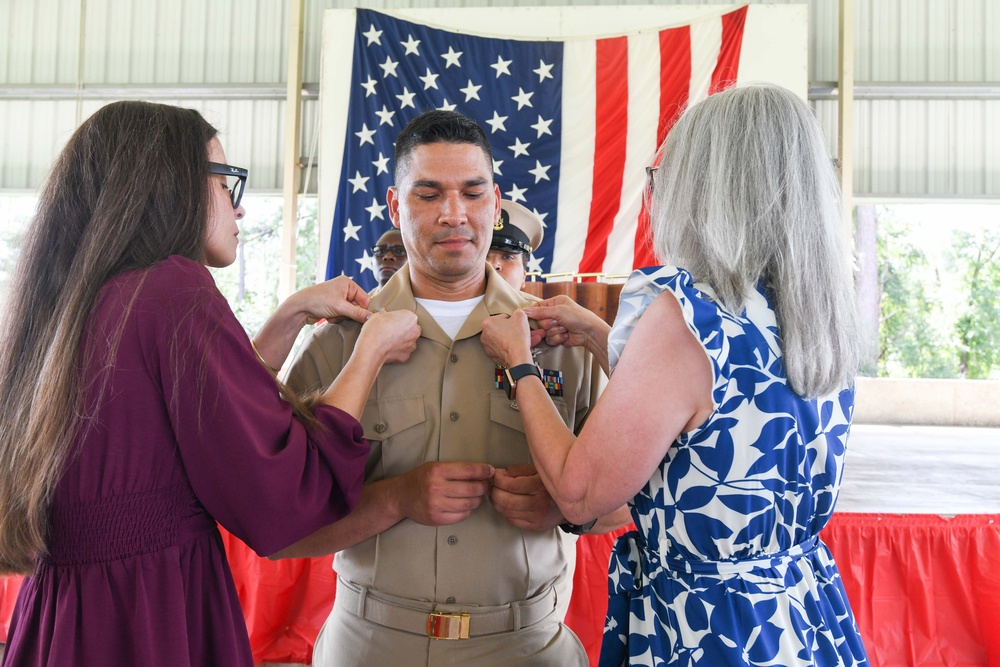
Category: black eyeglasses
[396,250]
[651,176]
[235,187]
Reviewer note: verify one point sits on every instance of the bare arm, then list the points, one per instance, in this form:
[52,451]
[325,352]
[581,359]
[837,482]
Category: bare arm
[433,494]
[375,513]
[612,521]
[333,300]
[385,338]
[612,459]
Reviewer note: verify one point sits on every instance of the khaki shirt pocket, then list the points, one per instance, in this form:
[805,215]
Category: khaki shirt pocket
[508,443]
[395,429]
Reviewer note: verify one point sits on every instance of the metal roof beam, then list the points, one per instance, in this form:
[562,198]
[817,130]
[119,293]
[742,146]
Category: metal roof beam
[209,91]
[827,90]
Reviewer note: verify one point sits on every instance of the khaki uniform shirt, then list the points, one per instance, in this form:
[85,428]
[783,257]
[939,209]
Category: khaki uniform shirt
[444,405]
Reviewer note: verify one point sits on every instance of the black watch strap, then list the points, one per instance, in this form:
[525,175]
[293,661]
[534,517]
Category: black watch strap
[515,373]
[576,528]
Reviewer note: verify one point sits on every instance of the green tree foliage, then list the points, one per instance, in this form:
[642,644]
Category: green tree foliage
[10,245]
[15,213]
[933,323]
[251,283]
[912,342]
[976,258]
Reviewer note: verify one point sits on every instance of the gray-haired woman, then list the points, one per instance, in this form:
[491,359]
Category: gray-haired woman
[725,420]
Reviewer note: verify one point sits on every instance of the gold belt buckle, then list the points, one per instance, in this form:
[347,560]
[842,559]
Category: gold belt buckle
[447,626]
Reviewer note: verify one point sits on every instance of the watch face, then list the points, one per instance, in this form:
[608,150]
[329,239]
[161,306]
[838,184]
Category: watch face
[512,375]
[509,384]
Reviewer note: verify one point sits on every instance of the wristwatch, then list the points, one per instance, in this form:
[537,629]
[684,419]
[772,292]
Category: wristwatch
[576,528]
[516,373]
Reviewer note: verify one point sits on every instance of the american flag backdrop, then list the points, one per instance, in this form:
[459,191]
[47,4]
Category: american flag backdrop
[572,125]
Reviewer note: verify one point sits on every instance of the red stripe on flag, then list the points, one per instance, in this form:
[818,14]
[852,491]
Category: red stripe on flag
[611,132]
[728,65]
[675,84]
[675,77]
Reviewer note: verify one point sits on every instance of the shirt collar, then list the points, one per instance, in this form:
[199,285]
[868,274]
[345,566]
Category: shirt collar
[500,298]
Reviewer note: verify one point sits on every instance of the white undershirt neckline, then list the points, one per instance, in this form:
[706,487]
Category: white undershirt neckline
[450,315]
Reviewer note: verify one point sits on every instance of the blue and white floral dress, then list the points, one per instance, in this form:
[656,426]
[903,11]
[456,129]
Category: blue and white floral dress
[726,567]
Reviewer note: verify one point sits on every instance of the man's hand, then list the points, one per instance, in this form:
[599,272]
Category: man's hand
[439,494]
[519,495]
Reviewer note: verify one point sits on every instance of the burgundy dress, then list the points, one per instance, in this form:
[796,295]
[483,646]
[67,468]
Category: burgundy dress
[184,429]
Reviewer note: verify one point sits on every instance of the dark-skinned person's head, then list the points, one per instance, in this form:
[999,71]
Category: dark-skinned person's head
[516,235]
[389,254]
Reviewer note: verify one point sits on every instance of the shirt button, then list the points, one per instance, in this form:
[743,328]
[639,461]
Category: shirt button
[454,358]
[450,601]
[454,416]
[452,540]
[380,428]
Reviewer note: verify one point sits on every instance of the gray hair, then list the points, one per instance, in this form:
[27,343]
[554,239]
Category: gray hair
[747,194]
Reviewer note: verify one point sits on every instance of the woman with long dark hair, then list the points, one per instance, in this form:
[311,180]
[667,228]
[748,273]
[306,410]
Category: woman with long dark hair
[135,414]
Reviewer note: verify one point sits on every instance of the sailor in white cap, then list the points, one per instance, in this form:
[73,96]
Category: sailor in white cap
[516,235]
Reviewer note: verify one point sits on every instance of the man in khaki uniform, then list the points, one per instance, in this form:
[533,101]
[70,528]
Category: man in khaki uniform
[453,552]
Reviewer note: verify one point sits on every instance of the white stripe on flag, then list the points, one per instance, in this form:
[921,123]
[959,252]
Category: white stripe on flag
[579,104]
[643,115]
[706,42]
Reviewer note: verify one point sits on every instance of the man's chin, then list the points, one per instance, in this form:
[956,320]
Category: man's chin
[460,269]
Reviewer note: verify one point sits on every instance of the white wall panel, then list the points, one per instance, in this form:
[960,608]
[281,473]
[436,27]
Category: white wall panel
[180,41]
[927,148]
[991,146]
[33,132]
[310,145]
[38,41]
[927,40]
[991,48]
[826,114]
[31,135]
[824,17]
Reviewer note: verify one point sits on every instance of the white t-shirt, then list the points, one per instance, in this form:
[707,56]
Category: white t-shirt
[450,315]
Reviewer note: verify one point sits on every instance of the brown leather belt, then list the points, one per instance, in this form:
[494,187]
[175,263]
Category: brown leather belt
[440,621]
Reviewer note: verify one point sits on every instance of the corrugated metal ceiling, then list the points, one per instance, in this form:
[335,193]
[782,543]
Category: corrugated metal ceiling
[176,50]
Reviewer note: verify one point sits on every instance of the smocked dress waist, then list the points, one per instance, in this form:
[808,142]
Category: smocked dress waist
[123,526]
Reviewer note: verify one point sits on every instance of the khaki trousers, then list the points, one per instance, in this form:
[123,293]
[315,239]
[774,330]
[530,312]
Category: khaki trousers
[347,640]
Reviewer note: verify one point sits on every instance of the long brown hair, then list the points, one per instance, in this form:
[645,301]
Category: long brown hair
[129,190]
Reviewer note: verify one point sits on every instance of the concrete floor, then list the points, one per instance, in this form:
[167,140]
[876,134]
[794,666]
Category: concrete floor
[921,470]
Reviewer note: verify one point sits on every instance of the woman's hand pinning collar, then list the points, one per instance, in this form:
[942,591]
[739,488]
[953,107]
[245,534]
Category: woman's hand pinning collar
[332,300]
[393,334]
[507,338]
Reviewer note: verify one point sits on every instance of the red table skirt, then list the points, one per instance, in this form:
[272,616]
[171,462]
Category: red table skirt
[925,591]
